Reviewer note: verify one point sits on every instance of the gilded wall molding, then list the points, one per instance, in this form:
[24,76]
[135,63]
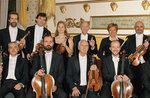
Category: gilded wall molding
[71,23]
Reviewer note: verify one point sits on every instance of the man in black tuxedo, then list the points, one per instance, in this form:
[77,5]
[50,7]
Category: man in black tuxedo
[77,73]
[12,33]
[85,36]
[14,73]
[111,69]
[36,33]
[130,46]
[53,64]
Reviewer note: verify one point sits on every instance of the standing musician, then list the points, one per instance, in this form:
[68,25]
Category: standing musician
[14,73]
[12,33]
[105,44]
[36,33]
[130,46]
[77,73]
[53,65]
[111,67]
[84,26]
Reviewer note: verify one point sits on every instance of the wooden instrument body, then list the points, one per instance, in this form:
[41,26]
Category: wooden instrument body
[36,84]
[127,89]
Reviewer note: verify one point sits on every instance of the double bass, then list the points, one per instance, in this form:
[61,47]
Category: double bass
[122,89]
[42,85]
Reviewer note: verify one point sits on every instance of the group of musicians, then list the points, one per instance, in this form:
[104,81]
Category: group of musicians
[70,68]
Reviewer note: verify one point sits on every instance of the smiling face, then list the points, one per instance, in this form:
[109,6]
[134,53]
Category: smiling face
[115,48]
[61,28]
[41,20]
[139,27]
[13,20]
[13,48]
[83,47]
[112,31]
[48,43]
[84,27]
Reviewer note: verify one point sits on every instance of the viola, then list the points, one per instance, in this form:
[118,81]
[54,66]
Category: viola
[122,89]
[93,75]
[42,85]
[140,50]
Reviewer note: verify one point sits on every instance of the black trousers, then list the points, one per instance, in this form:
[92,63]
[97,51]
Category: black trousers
[60,93]
[90,93]
[8,86]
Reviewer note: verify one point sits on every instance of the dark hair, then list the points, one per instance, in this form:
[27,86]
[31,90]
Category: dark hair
[42,15]
[65,32]
[14,13]
[47,35]
[112,25]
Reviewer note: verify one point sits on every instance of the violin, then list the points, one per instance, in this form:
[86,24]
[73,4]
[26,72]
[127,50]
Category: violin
[122,89]
[60,49]
[42,85]
[93,83]
[140,50]
[20,45]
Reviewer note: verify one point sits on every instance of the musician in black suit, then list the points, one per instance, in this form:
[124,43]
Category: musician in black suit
[130,46]
[105,44]
[12,33]
[111,69]
[36,33]
[146,80]
[53,64]
[14,73]
[85,36]
[77,73]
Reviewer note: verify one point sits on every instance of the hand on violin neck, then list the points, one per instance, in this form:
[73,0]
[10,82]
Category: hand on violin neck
[41,72]
[75,92]
[54,89]
[23,41]
[122,78]
[146,43]
[93,67]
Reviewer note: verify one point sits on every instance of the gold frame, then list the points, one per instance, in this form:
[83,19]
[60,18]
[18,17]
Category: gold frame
[120,27]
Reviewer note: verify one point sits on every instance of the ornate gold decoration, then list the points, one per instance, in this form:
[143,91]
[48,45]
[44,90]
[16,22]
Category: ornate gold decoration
[70,23]
[86,7]
[113,6]
[145,4]
[63,9]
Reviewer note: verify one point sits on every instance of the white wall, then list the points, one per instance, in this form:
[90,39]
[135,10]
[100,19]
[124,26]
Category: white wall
[100,9]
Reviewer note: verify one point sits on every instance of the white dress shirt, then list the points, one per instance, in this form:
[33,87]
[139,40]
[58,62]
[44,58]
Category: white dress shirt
[38,33]
[13,33]
[111,39]
[12,67]
[139,41]
[116,61]
[84,37]
[48,58]
[83,70]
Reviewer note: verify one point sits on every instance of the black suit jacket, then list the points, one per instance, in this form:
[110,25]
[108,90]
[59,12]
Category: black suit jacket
[76,40]
[5,38]
[104,47]
[21,70]
[108,70]
[30,38]
[56,69]
[130,46]
[73,72]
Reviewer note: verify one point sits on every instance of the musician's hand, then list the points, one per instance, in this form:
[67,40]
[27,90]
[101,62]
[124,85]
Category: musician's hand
[146,43]
[1,69]
[93,67]
[40,72]
[18,86]
[119,78]
[28,56]
[54,88]
[75,92]
[70,41]
[92,42]
[64,43]
[125,78]
[23,41]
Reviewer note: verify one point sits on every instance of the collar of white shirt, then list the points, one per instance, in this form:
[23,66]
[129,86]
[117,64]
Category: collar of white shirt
[82,57]
[139,35]
[13,57]
[12,29]
[39,27]
[50,53]
[116,38]
[115,59]
[84,37]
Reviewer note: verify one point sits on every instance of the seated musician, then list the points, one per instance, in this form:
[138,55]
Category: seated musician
[14,73]
[53,65]
[105,44]
[77,73]
[111,67]
[12,33]
[85,26]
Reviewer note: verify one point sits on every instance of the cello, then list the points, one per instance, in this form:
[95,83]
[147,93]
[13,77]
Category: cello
[43,85]
[122,89]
